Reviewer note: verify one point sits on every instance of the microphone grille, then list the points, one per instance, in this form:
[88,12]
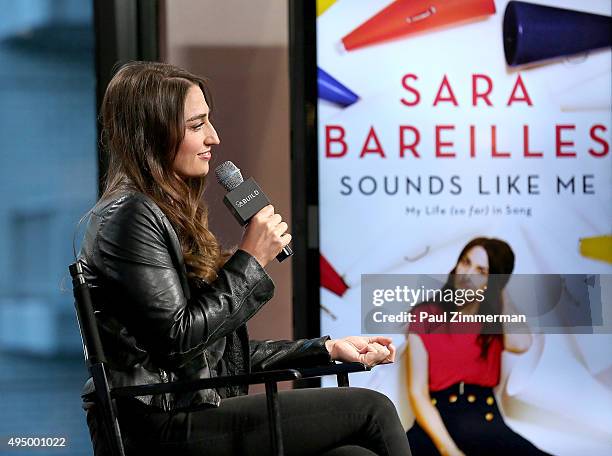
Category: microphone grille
[229,175]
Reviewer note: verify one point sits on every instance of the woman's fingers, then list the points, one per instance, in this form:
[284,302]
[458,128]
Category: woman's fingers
[265,212]
[265,236]
[280,229]
[376,354]
[380,340]
[391,348]
[387,344]
[367,350]
[275,220]
[285,239]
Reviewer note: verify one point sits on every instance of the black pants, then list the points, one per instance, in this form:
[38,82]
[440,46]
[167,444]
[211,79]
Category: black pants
[473,420]
[321,421]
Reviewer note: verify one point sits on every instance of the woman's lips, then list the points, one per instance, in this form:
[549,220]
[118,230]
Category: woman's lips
[204,155]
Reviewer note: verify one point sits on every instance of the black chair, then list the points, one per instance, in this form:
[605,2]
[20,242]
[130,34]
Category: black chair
[106,395]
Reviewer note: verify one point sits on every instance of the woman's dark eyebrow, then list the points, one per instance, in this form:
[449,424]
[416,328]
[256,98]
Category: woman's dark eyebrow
[198,116]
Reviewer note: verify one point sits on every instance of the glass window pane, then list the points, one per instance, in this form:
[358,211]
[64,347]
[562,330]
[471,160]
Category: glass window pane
[48,179]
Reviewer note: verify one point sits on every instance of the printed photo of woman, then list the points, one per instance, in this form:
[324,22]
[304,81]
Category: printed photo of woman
[452,368]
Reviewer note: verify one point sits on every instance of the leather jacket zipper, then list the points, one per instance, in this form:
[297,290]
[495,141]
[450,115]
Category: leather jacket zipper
[164,378]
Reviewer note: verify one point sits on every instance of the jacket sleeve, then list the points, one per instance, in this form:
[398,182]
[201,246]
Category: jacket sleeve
[132,247]
[277,354]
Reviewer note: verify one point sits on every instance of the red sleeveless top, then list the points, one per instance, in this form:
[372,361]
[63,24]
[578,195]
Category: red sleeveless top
[454,356]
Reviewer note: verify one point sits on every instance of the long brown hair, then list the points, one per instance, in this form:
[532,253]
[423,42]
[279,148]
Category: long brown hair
[501,265]
[142,118]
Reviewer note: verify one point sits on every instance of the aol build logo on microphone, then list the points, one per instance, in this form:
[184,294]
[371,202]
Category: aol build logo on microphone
[246,199]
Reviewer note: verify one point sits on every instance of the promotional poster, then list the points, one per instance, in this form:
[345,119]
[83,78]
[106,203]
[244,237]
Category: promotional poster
[439,123]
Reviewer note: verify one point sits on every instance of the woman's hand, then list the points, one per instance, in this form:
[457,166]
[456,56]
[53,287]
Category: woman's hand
[515,341]
[366,350]
[265,235]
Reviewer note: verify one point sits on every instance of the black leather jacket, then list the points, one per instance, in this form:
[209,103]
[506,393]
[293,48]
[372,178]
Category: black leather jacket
[156,327]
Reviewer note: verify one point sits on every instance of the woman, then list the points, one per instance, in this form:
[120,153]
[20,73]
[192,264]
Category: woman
[171,305]
[453,367]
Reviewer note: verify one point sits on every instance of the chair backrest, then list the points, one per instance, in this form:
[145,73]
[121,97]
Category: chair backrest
[94,357]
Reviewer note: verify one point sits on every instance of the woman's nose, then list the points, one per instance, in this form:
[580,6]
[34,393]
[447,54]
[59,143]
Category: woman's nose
[212,137]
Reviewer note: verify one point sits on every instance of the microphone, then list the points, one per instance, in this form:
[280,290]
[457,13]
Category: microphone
[244,198]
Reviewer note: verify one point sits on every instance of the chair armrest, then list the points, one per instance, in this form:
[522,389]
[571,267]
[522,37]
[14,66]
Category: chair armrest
[184,386]
[332,369]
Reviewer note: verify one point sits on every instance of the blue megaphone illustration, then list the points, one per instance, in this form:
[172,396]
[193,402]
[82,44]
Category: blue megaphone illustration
[533,33]
[332,90]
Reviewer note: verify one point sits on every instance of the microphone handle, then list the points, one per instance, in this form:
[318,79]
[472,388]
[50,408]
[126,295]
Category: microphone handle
[285,253]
